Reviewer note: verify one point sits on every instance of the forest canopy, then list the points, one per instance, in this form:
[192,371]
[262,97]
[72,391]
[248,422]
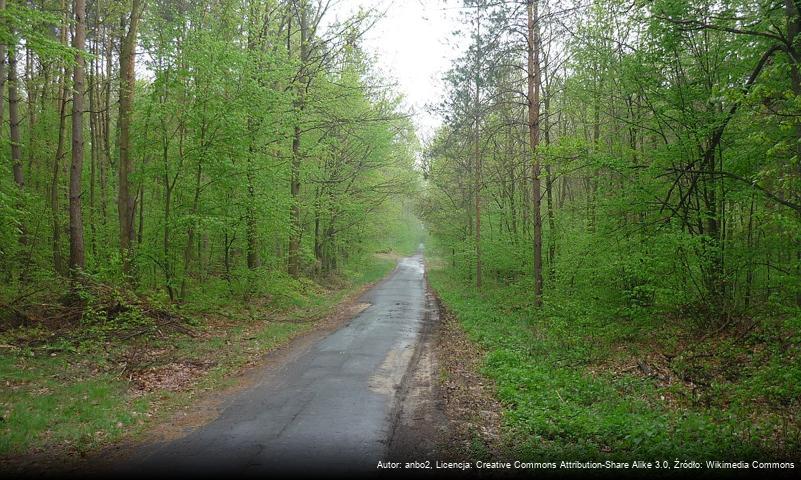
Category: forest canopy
[615,199]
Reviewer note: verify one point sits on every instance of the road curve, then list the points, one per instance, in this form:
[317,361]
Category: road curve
[329,410]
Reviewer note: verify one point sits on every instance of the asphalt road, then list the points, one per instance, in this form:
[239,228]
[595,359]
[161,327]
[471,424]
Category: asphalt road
[329,410]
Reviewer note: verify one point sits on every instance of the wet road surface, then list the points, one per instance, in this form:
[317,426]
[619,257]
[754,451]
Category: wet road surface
[329,410]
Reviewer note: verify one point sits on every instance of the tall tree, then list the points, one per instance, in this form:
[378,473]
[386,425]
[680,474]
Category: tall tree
[2,71]
[77,250]
[13,117]
[301,9]
[61,108]
[126,200]
[534,80]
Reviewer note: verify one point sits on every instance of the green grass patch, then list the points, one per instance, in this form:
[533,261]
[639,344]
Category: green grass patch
[50,400]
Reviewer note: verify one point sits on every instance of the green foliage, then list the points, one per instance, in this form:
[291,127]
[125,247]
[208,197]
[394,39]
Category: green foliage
[229,107]
[63,388]
[664,168]
[21,21]
[213,132]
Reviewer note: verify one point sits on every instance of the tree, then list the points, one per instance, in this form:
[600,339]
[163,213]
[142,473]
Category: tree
[126,202]
[534,81]
[237,100]
[301,13]
[77,251]
[668,135]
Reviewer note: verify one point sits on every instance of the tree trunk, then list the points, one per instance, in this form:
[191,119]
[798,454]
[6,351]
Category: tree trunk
[551,223]
[252,234]
[13,119]
[58,262]
[318,242]
[30,96]
[190,230]
[549,190]
[793,14]
[77,253]
[250,212]
[477,147]
[295,226]
[61,107]
[296,229]
[168,188]
[3,72]
[125,202]
[534,134]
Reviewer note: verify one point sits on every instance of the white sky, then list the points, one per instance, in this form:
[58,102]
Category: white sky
[412,44]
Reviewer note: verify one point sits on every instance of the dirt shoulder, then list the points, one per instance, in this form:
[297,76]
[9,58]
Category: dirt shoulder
[420,426]
[447,410]
[469,397]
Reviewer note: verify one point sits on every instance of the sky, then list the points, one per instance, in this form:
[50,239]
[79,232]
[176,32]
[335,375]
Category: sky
[413,44]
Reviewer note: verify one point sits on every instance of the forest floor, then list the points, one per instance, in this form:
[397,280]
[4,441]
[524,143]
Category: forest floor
[569,382]
[67,395]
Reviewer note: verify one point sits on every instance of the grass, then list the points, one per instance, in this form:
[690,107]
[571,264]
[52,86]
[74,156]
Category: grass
[50,400]
[72,390]
[564,375]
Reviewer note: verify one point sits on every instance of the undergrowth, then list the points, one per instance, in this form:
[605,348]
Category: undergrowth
[579,381]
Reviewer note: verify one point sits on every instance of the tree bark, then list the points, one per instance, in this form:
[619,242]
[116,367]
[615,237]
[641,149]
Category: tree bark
[125,202]
[30,113]
[55,209]
[296,229]
[251,224]
[190,230]
[534,134]
[477,146]
[77,252]
[2,71]
[61,107]
[549,182]
[13,119]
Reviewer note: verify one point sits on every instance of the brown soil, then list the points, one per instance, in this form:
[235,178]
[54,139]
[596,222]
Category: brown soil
[469,398]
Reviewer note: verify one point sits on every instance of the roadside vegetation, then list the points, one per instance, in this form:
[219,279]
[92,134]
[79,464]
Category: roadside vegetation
[71,388]
[579,382]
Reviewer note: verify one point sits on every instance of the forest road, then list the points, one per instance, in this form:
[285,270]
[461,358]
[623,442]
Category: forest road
[332,409]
